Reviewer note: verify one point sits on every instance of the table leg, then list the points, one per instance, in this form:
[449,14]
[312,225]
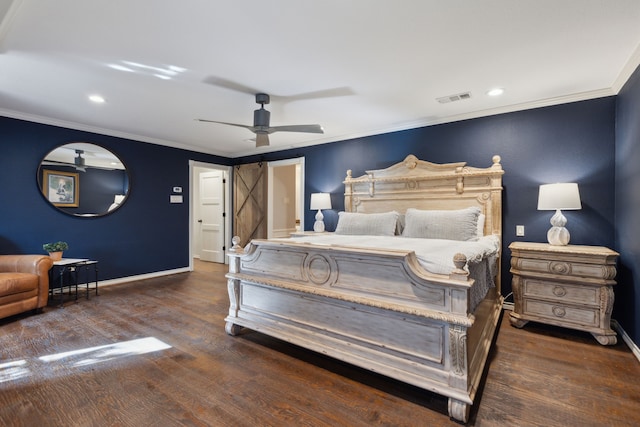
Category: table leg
[96,271]
[61,288]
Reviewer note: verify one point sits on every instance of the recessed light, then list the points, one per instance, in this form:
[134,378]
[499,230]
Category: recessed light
[496,91]
[97,99]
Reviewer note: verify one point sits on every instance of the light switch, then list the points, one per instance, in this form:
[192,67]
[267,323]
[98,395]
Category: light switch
[520,230]
[175,198]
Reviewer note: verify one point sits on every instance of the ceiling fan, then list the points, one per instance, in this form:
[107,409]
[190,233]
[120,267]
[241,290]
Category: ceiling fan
[261,123]
[79,161]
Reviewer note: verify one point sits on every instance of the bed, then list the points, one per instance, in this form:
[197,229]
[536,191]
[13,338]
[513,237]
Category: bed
[380,307]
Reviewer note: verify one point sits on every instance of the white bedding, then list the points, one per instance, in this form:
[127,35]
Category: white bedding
[435,255]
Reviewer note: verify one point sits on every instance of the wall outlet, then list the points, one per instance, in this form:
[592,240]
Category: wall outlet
[520,230]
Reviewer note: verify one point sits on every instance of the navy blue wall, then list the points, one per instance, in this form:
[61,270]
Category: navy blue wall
[569,142]
[147,234]
[628,206]
[566,143]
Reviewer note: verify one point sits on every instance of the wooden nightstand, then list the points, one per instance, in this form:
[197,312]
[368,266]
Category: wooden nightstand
[569,286]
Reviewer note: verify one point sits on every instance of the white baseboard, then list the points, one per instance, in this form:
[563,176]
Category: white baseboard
[626,338]
[120,280]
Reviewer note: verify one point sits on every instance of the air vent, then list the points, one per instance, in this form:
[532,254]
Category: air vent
[453,98]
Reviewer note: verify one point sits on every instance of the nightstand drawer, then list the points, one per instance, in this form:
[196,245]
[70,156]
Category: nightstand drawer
[562,292]
[562,268]
[563,313]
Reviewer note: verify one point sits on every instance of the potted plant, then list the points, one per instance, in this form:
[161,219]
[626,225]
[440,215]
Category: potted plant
[55,249]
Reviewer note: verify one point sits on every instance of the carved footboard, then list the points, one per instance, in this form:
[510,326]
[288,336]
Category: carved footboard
[377,309]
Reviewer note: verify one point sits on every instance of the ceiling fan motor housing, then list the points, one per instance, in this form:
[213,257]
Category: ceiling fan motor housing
[79,161]
[261,117]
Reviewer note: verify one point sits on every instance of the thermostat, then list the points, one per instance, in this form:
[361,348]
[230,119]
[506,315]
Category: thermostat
[177,189]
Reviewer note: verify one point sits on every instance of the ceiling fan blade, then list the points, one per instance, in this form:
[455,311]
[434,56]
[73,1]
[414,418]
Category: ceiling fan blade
[251,128]
[297,128]
[325,93]
[239,87]
[229,84]
[262,139]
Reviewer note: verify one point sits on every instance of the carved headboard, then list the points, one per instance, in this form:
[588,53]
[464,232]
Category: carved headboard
[419,184]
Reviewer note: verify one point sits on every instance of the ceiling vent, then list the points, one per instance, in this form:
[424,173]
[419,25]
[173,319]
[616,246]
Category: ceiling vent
[452,98]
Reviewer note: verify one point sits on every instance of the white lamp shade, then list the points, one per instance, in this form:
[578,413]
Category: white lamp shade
[320,201]
[563,196]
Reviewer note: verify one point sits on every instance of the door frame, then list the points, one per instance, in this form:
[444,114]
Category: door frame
[227,204]
[270,167]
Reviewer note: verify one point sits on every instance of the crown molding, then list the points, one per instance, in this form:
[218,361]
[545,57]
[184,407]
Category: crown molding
[428,121]
[431,121]
[626,72]
[103,131]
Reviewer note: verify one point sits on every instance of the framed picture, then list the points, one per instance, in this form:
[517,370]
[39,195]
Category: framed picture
[61,188]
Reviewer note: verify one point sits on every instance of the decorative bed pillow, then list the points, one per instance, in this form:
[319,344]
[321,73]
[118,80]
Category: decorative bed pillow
[461,224]
[374,224]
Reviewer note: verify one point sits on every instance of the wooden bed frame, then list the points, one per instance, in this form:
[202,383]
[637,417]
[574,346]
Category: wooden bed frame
[374,308]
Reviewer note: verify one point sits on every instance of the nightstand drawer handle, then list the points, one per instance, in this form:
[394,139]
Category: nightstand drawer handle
[559,311]
[559,291]
[560,267]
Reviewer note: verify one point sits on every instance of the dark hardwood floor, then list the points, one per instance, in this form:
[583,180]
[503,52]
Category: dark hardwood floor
[537,376]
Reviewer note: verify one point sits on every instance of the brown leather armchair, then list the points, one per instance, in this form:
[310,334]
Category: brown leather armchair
[24,283]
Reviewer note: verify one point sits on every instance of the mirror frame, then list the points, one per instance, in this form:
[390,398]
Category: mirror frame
[69,173]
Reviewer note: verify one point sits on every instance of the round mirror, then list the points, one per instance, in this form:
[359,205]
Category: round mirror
[83,179]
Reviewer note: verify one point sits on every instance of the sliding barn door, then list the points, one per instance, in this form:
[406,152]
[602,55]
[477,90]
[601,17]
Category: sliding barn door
[250,202]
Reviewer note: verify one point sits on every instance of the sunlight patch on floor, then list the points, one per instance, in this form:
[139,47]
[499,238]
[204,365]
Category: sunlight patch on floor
[17,369]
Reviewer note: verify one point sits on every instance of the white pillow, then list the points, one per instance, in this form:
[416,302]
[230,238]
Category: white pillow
[374,224]
[461,224]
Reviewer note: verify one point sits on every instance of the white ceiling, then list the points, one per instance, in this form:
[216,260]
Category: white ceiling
[386,60]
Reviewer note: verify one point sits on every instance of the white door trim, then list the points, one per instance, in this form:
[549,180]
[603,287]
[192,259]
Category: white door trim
[227,204]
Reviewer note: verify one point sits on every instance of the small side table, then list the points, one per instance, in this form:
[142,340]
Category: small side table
[569,286]
[72,266]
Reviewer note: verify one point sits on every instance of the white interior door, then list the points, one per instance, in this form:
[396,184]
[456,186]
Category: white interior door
[212,218]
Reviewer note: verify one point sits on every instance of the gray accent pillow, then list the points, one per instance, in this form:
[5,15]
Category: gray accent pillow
[373,224]
[461,224]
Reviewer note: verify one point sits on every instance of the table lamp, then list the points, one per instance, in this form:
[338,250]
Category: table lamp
[557,197]
[320,201]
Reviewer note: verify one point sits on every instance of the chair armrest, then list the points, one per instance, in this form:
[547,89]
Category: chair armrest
[34,264]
